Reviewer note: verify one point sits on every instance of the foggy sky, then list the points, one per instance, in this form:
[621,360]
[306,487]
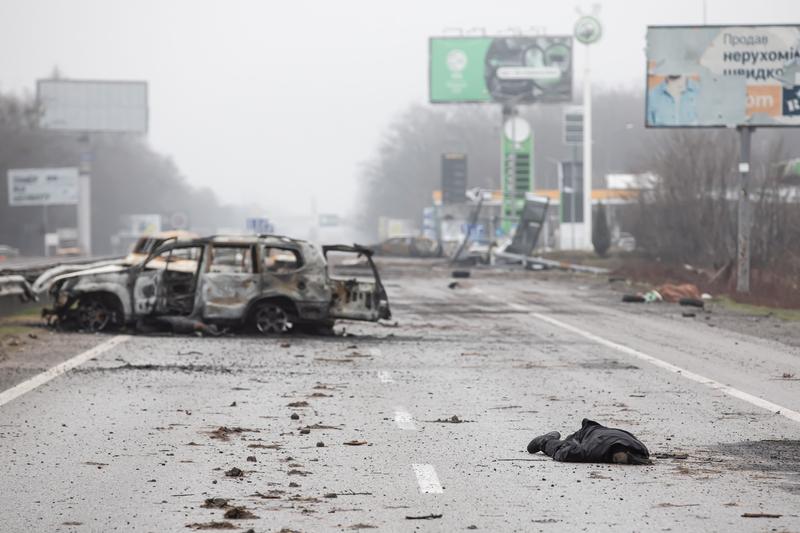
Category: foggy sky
[273,102]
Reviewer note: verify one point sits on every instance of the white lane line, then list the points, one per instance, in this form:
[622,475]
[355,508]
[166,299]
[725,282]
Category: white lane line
[716,385]
[385,376]
[404,420]
[427,479]
[52,373]
[518,307]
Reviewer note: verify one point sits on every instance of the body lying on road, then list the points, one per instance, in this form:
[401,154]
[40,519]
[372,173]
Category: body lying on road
[593,443]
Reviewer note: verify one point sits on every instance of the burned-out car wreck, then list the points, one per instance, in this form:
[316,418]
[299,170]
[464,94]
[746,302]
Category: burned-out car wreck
[269,283]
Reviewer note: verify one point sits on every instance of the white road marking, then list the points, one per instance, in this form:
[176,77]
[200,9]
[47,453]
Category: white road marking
[52,373]
[385,376]
[518,307]
[404,420]
[375,352]
[427,479]
[716,385]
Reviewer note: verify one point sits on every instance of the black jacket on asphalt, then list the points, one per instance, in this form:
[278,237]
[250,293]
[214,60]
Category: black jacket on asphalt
[595,443]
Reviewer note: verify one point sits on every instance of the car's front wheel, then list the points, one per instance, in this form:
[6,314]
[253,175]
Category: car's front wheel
[271,318]
[93,314]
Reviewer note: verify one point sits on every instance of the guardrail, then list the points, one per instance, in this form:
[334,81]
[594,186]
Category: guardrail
[18,279]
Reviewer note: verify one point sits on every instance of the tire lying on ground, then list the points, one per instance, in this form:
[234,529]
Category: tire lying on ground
[693,302]
[633,299]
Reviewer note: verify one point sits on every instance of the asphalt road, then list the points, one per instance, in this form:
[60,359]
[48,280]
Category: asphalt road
[139,436]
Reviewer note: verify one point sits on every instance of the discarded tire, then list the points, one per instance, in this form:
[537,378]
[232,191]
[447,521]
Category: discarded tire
[633,299]
[461,273]
[693,302]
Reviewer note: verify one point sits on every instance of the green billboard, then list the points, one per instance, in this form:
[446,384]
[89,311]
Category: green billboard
[512,70]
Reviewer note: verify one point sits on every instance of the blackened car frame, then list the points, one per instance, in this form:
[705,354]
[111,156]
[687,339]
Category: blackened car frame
[271,283]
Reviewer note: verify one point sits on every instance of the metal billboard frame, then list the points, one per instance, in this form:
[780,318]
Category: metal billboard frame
[82,81]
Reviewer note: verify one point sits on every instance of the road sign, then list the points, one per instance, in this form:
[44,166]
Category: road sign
[512,70]
[259,226]
[588,29]
[42,186]
[454,178]
[573,125]
[571,180]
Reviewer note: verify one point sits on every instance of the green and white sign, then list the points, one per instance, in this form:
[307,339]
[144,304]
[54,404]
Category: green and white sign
[517,168]
[513,70]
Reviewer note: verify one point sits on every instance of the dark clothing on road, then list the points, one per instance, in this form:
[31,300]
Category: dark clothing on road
[595,443]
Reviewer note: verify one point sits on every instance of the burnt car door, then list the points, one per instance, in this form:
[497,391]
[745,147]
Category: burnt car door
[356,289]
[166,282]
[230,282]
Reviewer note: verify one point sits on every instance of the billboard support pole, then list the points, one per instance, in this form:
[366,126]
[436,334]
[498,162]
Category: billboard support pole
[85,197]
[587,152]
[743,240]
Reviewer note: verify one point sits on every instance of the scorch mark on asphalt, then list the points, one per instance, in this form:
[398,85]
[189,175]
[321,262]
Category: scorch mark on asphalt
[54,372]
[427,479]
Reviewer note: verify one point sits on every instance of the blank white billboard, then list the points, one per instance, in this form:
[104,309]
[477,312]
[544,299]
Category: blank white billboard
[42,186]
[93,106]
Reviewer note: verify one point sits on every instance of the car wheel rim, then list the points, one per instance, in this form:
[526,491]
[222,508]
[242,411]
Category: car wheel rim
[93,316]
[272,319]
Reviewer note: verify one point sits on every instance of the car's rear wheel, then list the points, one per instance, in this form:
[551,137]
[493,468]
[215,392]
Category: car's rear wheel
[93,314]
[271,318]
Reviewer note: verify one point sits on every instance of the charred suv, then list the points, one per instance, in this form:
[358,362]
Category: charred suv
[268,282]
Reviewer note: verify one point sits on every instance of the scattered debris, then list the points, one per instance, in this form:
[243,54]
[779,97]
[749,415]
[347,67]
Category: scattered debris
[363,526]
[461,274]
[453,285]
[305,431]
[224,432]
[688,314]
[301,403]
[355,443]
[761,515]
[692,302]
[266,446]
[251,458]
[273,494]
[668,504]
[320,444]
[594,474]
[215,503]
[633,298]
[235,472]
[233,404]
[424,517]
[238,513]
[787,375]
[72,523]
[675,293]
[212,525]
[452,420]
[286,344]
[679,456]
[296,472]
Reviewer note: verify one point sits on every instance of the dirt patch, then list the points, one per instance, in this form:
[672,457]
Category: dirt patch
[608,364]
[211,369]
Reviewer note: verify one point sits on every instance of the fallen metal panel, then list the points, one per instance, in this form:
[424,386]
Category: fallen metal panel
[549,263]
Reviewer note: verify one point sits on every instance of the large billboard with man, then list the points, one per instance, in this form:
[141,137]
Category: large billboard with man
[712,76]
[508,70]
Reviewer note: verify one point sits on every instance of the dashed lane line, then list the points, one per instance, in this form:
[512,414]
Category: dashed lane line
[427,479]
[52,373]
[404,420]
[713,384]
[384,376]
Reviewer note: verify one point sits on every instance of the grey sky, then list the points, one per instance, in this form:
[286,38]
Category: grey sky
[271,102]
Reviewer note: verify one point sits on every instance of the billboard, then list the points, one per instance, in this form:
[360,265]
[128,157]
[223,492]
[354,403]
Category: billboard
[713,76]
[93,106]
[42,186]
[512,70]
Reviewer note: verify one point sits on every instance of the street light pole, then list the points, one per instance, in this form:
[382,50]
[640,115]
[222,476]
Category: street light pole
[587,152]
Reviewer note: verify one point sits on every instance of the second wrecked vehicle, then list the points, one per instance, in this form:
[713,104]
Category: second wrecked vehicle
[271,283]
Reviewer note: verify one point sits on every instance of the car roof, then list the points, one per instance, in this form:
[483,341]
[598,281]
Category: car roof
[251,239]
